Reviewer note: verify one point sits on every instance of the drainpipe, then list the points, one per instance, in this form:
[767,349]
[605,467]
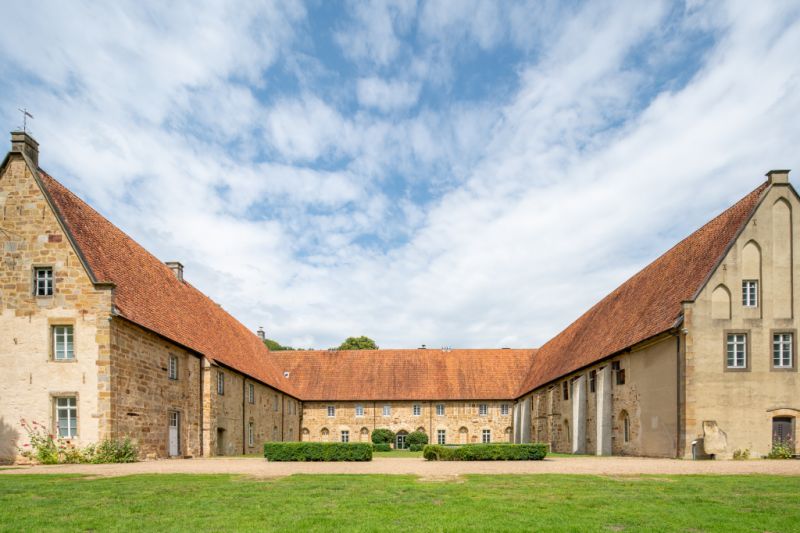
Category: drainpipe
[678,388]
[430,421]
[374,417]
[283,409]
[201,405]
[244,416]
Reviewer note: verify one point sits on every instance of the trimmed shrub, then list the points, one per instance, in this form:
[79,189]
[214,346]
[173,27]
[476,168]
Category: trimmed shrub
[486,452]
[382,436]
[382,447]
[417,440]
[112,451]
[318,451]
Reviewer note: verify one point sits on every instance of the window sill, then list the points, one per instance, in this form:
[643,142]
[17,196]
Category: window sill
[73,360]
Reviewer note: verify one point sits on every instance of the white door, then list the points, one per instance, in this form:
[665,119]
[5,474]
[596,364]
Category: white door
[174,425]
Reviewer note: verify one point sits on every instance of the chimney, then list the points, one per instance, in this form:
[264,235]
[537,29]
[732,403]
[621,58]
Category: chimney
[177,269]
[777,176]
[23,143]
[261,333]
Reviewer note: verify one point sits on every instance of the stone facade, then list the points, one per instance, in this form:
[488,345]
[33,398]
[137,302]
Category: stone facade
[462,421]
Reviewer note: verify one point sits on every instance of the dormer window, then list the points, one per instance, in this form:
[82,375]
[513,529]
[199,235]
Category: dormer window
[43,281]
[750,293]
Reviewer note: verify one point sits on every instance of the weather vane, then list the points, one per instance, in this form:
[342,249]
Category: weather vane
[25,116]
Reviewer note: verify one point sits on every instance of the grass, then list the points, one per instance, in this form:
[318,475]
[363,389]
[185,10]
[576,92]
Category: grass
[397,453]
[399,503]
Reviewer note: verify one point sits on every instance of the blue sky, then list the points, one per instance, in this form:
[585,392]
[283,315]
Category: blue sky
[462,173]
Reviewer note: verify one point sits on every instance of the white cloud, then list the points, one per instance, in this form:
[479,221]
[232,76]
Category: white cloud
[387,95]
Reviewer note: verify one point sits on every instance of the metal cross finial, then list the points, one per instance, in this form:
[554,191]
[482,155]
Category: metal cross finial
[25,116]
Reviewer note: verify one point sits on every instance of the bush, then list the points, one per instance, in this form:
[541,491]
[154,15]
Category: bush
[317,451]
[417,440]
[49,450]
[781,450]
[741,455]
[382,436]
[112,451]
[382,447]
[486,452]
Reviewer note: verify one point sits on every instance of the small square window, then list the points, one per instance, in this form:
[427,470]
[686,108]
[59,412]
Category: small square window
[737,351]
[359,410]
[331,410]
[220,383]
[504,409]
[345,436]
[67,416]
[172,371]
[417,409]
[63,343]
[483,409]
[439,409]
[43,281]
[486,436]
[750,293]
[387,410]
[782,350]
[440,436]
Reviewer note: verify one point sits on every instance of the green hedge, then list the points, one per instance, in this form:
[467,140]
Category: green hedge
[382,447]
[318,451]
[486,452]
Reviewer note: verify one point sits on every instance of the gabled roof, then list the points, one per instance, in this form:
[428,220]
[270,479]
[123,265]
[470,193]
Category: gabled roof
[377,375]
[147,292]
[646,305]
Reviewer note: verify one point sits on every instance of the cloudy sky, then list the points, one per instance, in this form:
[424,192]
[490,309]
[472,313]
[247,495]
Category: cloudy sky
[461,173]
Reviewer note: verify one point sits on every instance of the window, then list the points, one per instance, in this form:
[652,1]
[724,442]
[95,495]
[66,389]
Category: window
[220,383]
[439,409]
[417,409]
[43,281]
[63,345]
[172,367]
[782,356]
[750,293]
[483,409]
[276,403]
[345,436]
[626,427]
[486,436]
[251,437]
[592,380]
[331,410]
[359,410]
[737,350]
[504,409]
[619,373]
[67,417]
[440,436]
[251,393]
[565,391]
[387,410]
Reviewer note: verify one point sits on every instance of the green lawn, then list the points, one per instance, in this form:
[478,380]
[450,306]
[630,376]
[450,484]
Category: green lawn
[399,503]
[397,453]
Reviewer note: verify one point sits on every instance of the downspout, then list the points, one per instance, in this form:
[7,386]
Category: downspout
[374,417]
[678,393]
[244,416]
[283,409]
[430,421]
[201,404]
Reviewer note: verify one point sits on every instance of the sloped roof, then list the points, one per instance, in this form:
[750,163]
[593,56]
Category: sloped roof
[150,295]
[646,305]
[405,374]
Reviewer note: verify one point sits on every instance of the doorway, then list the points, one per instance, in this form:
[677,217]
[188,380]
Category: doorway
[220,441]
[783,430]
[174,434]
[400,441]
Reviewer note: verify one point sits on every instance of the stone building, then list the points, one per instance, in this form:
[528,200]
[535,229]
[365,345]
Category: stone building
[99,339]
[695,355]
[454,396]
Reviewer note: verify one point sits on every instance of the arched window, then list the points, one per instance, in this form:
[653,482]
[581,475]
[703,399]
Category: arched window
[323,433]
[625,421]
[364,434]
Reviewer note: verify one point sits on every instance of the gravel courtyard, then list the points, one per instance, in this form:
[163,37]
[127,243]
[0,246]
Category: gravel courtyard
[258,467]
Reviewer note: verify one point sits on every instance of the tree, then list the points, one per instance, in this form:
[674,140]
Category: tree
[275,346]
[358,343]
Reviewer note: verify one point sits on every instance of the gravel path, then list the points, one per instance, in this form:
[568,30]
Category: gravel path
[610,466]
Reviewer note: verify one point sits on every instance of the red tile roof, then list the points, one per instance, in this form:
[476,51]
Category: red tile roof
[405,374]
[646,305]
[150,295]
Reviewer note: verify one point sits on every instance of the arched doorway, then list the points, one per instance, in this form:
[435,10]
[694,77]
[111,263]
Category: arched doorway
[401,440]
[324,434]
[364,435]
[463,434]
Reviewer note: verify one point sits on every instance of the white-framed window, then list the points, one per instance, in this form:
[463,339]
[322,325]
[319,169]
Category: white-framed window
[417,409]
[750,293]
[251,434]
[387,410]
[172,367]
[220,383]
[359,410]
[504,409]
[276,403]
[63,343]
[331,411]
[439,409]
[483,409]
[782,356]
[486,436]
[345,435]
[737,350]
[43,281]
[251,393]
[67,416]
[441,436]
